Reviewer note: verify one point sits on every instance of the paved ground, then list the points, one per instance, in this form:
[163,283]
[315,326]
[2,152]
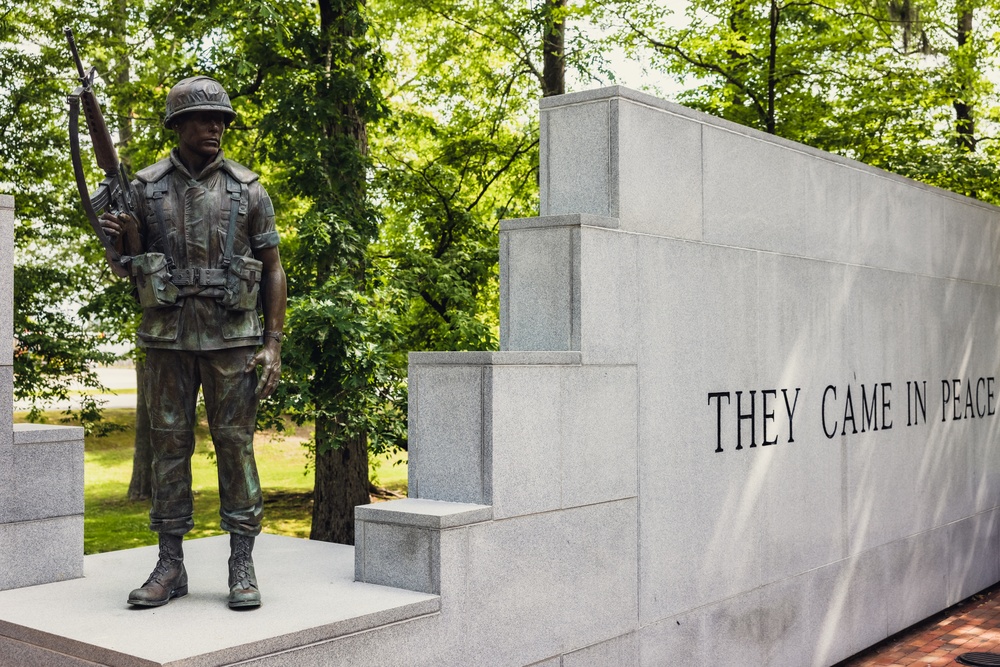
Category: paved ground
[972,625]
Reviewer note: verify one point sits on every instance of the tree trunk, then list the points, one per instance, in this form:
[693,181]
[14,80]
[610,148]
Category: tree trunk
[141,486]
[341,485]
[965,124]
[772,62]
[341,481]
[554,49]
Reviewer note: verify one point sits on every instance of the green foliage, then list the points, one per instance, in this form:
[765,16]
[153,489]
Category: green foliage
[393,137]
[460,154]
[878,82]
[57,262]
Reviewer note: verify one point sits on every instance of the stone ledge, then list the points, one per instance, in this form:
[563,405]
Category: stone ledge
[621,92]
[423,513]
[34,434]
[569,220]
[558,358]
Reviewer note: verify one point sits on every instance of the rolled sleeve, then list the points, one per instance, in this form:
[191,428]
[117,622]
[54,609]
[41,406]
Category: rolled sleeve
[261,227]
[265,240]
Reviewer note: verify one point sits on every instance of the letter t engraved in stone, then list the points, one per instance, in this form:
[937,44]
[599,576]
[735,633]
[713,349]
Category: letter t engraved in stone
[718,420]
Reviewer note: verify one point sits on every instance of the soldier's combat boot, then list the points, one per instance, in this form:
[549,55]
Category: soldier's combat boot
[168,580]
[243,591]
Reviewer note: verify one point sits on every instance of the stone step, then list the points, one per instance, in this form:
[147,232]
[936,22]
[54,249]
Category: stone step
[309,596]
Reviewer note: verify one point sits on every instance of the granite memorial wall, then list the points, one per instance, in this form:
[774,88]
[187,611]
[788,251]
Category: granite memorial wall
[786,391]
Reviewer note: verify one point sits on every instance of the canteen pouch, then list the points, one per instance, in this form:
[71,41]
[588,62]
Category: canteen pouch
[242,283]
[152,280]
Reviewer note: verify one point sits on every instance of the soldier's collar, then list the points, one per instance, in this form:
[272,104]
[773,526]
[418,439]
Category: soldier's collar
[214,165]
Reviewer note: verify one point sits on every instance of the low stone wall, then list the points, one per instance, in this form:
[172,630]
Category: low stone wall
[41,467]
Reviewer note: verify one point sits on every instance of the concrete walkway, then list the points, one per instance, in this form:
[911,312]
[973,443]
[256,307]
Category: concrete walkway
[972,625]
[308,589]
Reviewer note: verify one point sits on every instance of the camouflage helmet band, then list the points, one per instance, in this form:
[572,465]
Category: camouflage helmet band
[197,93]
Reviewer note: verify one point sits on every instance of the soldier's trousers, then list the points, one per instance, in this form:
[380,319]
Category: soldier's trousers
[171,391]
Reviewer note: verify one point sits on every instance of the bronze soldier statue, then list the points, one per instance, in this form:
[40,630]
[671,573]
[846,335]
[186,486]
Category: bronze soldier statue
[209,256]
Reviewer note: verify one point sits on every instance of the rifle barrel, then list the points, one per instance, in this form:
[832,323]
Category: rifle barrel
[76,54]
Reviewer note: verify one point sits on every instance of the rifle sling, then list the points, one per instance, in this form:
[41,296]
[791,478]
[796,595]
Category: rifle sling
[81,180]
[155,194]
[237,205]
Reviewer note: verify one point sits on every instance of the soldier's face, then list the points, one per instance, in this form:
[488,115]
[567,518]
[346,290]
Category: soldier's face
[201,132]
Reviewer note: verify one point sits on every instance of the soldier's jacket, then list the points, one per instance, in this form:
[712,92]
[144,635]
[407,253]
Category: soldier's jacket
[196,221]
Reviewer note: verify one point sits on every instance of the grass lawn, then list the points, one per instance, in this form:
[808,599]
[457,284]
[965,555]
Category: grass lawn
[112,522]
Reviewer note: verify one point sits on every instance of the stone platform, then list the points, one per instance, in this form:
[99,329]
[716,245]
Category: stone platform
[309,596]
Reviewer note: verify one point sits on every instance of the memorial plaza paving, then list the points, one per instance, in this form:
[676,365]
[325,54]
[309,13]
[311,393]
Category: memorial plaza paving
[971,626]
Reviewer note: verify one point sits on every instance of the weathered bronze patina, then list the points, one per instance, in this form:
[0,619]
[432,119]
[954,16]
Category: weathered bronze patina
[209,258]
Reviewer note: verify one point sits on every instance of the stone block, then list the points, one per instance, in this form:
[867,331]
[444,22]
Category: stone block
[525,445]
[446,456]
[659,171]
[401,557]
[972,242]
[47,474]
[621,651]
[493,431]
[817,618]
[569,283]
[920,570]
[698,551]
[846,606]
[972,554]
[6,280]
[6,404]
[598,457]
[398,543]
[609,296]
[21,654]
[766,195]
[598,572]
[898,225]
[575,159]
[544,584]
[541,294]
[6,439]
[39,552]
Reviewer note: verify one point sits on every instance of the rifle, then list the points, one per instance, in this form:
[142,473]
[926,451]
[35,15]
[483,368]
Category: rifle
[115,194]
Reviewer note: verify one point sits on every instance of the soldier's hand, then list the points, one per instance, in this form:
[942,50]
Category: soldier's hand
[269,358]
[116,266]
[114,225]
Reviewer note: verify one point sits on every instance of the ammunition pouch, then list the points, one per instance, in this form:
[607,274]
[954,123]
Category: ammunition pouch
[152,280]
[242,287]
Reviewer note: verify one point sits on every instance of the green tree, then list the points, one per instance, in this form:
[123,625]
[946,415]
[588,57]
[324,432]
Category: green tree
[895,85]
[58,265]
[461,152]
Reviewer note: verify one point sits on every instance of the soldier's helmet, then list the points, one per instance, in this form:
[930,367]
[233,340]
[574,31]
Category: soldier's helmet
[197,93]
